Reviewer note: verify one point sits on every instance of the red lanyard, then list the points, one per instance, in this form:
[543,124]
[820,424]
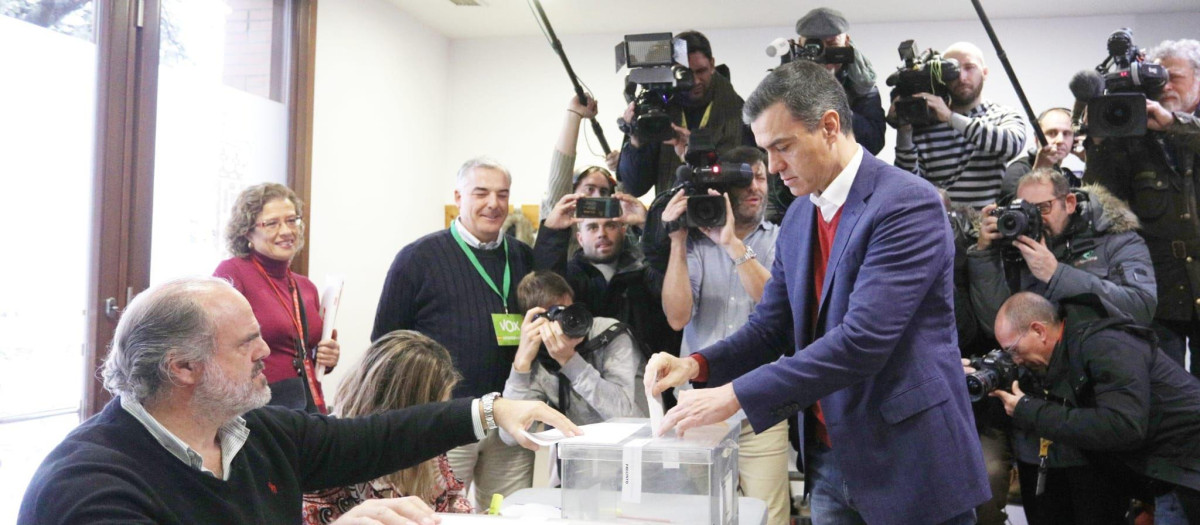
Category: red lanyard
[301,351]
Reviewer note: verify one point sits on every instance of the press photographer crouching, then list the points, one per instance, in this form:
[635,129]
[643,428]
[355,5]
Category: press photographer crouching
[1107,390]
[1155,172]
[1056,242]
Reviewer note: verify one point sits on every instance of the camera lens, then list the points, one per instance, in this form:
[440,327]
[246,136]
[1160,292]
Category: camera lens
[1010,224]
[576,321]
[1118,114]
[980,383]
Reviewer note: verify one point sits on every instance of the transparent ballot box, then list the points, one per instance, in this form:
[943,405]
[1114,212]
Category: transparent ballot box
[690,480]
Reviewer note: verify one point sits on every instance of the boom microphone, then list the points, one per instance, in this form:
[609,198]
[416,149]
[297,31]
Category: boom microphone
[1085,86]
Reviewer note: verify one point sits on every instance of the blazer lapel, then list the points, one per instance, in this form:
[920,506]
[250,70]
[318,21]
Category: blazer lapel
[864,185]
[800,286]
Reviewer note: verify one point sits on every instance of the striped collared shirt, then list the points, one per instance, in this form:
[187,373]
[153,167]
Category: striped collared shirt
[232,437]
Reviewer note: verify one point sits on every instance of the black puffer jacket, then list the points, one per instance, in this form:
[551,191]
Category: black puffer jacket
[1120,400]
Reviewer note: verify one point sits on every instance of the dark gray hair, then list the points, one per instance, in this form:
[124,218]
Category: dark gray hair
[464,171]
[164,323]
[247,208]
[1185,48]
[807,90]
[1054,178]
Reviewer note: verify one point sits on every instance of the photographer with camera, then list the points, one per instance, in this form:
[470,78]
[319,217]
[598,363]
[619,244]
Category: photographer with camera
[711,104]
[608,274]
[590,181]
[588,367]
[1056,126]
[826,29]
[1109,392]
[715,277]
[1059,243]
[1156,174]
[966,146]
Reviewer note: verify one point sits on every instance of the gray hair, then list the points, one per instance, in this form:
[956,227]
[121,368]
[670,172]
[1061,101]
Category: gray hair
[807,90]
[464,172]
[1054,178]
[246,209]
[966,48]
[164,323]
[1184,48]
[1024,308]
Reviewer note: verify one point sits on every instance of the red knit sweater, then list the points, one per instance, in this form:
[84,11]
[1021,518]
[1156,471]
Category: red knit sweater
[275,320]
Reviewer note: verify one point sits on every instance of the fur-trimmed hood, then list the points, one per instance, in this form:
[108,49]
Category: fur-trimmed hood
[1105,212]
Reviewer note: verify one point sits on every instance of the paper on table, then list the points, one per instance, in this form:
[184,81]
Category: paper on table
[656,413]
[330,300]
[604,433]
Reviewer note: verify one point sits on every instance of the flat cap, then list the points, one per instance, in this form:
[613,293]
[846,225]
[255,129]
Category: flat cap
[822,22]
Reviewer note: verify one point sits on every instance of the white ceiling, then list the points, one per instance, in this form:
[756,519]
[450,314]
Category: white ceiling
[514,18]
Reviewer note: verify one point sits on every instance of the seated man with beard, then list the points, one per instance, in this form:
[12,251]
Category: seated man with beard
[188,439]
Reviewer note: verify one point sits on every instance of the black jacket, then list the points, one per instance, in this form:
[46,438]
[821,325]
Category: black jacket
[1117,397]
[1156,175]
[633,296]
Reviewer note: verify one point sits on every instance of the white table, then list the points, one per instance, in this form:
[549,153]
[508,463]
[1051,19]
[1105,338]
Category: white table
[751,511]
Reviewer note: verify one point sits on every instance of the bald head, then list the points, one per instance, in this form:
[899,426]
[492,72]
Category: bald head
[965,49]
[1025,308]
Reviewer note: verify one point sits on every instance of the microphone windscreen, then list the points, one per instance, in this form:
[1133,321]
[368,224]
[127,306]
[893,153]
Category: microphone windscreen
[1086,85]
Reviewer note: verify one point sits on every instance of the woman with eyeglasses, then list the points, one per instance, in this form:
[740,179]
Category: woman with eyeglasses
[265,231]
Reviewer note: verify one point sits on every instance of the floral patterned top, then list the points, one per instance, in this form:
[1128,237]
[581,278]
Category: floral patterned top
[325,506]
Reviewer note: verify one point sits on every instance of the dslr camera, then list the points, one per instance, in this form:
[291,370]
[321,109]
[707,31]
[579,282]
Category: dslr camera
[1128,82]
[703,171]
[575,320]
[995,370]
[656,77]
[812,51]
[1016,219]
[928,72]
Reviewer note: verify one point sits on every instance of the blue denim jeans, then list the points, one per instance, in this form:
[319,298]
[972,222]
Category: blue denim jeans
[830,501]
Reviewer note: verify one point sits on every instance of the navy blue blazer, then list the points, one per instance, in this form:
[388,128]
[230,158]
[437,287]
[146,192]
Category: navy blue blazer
[883,358]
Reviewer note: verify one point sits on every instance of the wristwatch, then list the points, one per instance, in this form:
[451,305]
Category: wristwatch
[745,257]
[489,418]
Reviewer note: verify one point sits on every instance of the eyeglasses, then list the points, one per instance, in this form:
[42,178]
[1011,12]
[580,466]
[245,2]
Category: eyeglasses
[272,225]
[1011,349]
[1045,207]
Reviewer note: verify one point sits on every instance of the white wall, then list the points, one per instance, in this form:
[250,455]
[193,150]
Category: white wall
[508,94]
[379,117]
[399,107]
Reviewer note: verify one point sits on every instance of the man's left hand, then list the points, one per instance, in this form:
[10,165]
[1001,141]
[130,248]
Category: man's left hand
[1038,257]
[726,236]
[633,212]
[699,407]
[560,347]
[1010,400]
[938,105]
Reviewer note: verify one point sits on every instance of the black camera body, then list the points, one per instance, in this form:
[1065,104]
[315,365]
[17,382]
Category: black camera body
[995,370]
[1016,219]
[816,51]
[576,321]
[655,78]
[702,172]
[597,208]
[1128,81]
[928,72]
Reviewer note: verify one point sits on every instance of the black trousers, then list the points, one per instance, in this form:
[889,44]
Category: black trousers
[1073,496]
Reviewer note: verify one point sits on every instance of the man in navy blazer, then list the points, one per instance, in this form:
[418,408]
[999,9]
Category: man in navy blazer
[874,363]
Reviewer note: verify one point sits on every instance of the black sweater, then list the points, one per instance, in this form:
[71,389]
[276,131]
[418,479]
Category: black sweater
[111,470]
[434,289]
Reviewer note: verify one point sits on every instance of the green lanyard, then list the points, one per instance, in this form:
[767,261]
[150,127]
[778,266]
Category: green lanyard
[479,267]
